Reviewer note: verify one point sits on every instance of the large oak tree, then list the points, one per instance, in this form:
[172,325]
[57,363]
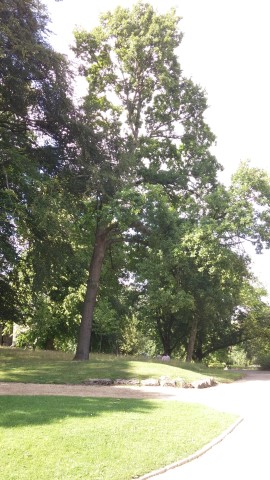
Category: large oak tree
[145,120]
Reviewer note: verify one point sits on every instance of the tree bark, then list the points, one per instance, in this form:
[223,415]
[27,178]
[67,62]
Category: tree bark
[192,338]
[165,337]
[198,353]
[49,345]
[83,346]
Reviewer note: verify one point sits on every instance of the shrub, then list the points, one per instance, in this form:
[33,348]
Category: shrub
[264,361]
[237,357]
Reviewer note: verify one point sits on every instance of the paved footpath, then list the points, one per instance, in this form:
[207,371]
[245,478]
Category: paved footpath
[244,453]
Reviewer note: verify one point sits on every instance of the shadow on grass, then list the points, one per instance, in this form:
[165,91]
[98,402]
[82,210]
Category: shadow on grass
[21,411]
[62,372]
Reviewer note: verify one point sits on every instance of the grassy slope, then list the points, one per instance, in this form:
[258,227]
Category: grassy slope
[72,438]
[57,367]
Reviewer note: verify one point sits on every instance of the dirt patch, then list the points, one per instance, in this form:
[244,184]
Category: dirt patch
[223,394]
[95,388]
[88,390]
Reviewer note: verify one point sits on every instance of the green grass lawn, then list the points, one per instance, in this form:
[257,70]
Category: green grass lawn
[57,367]
[69,438]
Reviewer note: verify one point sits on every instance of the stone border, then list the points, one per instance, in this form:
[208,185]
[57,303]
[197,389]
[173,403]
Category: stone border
[153,382]
[195,455]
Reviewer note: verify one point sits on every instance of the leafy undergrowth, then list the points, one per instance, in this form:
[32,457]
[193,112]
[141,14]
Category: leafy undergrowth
[40,366]
[100,439]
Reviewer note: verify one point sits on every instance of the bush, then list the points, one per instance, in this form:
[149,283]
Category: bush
[237,357]
[264,361]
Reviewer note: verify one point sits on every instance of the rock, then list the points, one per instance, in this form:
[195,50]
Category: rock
[126,381]
[98,381]
[179,382]
[150,382]
[204,383]
[166,382]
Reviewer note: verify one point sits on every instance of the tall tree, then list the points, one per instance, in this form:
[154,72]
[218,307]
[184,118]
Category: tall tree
[146,122]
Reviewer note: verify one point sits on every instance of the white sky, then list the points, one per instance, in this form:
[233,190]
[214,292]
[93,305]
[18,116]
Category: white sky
[225,49]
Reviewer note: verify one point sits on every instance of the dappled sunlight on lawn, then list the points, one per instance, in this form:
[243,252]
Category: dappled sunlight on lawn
[39,366]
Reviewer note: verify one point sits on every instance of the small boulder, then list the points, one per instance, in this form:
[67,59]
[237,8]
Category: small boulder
[126,381]
[150,382]
[179,382]
[204,383]
[166,382]
[98,381]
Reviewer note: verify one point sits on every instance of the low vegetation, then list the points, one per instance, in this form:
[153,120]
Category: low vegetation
[100,439]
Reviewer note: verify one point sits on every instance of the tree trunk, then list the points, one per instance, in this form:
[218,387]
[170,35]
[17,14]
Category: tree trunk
[164,337]
[15,332]
[83,346]
[49,344]
[192,338]
[198,354]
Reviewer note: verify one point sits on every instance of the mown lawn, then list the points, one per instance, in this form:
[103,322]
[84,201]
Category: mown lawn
[57,367]
[71,438]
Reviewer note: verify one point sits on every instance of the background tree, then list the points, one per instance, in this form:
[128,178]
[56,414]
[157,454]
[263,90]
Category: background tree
[35,116]
[195,267]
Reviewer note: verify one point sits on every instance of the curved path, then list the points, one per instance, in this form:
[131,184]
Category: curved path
[243,396]
[243,454]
